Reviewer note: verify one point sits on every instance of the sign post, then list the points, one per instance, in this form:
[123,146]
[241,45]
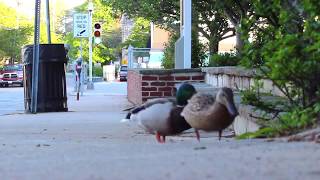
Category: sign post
[81,29]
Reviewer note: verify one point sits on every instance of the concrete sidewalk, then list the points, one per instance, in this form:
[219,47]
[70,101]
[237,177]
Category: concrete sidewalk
[89,142]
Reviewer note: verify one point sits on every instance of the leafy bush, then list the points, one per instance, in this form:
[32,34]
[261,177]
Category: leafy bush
[226,59]
[285,50]
[97,71]
[168,57]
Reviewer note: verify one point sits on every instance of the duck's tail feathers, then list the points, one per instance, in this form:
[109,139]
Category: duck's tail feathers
[127,118]
[128,115]
[133,112]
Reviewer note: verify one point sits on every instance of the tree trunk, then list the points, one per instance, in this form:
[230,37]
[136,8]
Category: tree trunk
[11,60]
[239,41]
[213,46]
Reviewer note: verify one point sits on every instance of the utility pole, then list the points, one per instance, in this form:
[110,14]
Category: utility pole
[90,10]
[35,65]
[48,21]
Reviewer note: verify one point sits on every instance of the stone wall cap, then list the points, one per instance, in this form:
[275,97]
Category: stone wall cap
[164,71]
[230,70]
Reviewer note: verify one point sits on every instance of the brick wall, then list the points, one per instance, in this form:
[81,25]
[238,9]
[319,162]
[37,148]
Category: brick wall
[146,84]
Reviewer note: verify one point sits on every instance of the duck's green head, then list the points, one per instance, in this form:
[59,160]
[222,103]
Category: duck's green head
[184,93]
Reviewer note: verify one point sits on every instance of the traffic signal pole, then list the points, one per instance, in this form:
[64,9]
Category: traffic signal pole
[90,83]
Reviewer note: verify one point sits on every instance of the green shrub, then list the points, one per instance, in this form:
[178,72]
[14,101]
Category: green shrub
[286,51]
[226,59]
[97,71]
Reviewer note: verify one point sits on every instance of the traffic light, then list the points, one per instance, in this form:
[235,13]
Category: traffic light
[97,33]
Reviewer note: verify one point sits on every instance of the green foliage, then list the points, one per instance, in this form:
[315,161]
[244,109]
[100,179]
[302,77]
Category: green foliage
[286,54]
[15,32]
[208,19]
[198,55]
[262,133]
[284,47]
[226,59]
[168,58]
[163,13]
[140,34]
[109,49]
[97,71]
[12,40]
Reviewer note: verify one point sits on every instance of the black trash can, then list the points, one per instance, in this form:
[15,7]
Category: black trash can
[52,92]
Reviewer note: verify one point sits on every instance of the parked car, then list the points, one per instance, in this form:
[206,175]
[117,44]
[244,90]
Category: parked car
[11,74]
[123,72]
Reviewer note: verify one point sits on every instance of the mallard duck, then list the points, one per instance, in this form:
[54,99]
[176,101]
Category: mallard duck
[210,113]
[161,116]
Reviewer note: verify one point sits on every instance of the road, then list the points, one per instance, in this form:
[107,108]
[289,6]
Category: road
[12,98]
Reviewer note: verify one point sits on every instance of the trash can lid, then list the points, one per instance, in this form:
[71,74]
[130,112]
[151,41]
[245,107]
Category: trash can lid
[47,53]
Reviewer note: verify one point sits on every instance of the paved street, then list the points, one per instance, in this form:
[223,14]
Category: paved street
[11,100]
[89,142]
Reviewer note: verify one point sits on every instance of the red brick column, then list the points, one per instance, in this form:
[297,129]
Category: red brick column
[134,87]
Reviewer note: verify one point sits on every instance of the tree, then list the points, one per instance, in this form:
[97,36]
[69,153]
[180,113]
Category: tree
[236,11]
[211,23]
[163,13]
[11,41]
[210,20]
[15,32]
[108,49]
[140,34]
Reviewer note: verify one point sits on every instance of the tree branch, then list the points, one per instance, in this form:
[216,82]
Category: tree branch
[229,36]
[233,17]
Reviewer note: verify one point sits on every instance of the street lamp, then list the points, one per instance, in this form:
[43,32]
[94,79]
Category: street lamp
[90,11]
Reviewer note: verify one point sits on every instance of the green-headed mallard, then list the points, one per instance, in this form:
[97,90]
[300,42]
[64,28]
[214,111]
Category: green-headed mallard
[161,116]
[209,113]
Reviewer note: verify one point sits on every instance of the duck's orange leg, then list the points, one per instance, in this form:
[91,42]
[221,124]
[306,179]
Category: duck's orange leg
[158,137]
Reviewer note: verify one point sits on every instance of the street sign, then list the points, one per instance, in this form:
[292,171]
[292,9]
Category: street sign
[81,25]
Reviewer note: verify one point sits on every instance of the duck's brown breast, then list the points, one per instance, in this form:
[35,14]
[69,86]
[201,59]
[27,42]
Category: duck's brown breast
[218,119]
[215,118]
